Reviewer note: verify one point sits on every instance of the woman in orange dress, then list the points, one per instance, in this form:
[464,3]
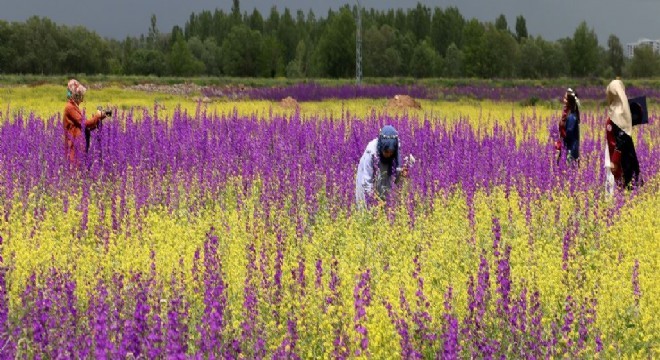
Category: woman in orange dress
[73,121]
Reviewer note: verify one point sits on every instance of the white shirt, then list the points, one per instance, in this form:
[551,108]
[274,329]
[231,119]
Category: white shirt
[365,179]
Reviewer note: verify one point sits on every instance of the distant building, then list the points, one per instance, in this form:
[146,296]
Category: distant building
[630,47]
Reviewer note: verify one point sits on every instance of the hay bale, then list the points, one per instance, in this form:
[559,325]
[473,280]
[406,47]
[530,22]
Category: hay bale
[403,102]
[289,103]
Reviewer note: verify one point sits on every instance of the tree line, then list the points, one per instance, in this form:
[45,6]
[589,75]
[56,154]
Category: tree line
[420,42]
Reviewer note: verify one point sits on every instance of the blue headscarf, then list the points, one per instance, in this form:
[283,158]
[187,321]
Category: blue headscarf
[388,139]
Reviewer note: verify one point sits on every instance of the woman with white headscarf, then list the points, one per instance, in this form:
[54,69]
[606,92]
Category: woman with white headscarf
[622,166]
[73,120]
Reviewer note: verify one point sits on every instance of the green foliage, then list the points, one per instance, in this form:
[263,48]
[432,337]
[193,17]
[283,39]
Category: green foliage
[521,28]
[287,35]
[144,61]
[272,59]
[241,52]
[473,33]
[424,61]
[7,51]
[335,54]
[583,52]
[181,61]
[447,28]
[418,42]
[380,53]
[299,67]
[453,62]
[500,53]
[420,22]
[531,58]
[208,52]
[554,62]
[645,62]
[501,23]
[615,54]
[489,52]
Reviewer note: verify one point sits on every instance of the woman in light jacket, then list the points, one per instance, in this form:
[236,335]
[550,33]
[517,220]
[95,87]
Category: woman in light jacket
[379,168]
[622,166]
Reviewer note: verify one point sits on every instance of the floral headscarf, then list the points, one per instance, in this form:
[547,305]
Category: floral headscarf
[388,139]
[75,88]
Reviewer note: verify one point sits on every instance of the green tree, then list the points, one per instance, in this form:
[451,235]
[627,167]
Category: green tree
[447,28]
[521,28]
[297,68]
[501,23]
[419,22]
[615,54]
[208,52]
[115,57]
[405,44]
[84,52]
[236,13]
[400,21]
[287,36]
[584,52]
[489,52]
[531,57]
[154,34]
[645,62]
[453,61]
[176,33]
[377,60]
[424,61]
[204,25]
[146,62]
[554,61]
[473,51]
[392,62]
[181,61]
[272,57]
[7,50]
[256,21]
[36,44]
[220,26]
[335,54]
[373,46]
[241,52]
[273,22]
[499,53]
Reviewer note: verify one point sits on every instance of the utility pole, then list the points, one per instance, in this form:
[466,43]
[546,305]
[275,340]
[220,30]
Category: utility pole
[358,46]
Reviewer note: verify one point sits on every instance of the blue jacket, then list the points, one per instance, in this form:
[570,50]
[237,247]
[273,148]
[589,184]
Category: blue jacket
[572,139]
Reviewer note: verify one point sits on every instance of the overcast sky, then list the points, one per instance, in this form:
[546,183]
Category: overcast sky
[552,19]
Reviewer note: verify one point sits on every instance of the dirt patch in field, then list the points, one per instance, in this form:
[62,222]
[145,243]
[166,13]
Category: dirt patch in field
[289,103]
[176,89]
[403,102]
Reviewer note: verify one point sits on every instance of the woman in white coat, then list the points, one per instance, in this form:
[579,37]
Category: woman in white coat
[379,168]
[622,166]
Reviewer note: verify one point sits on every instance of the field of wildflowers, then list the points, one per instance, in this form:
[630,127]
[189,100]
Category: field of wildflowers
[318,92]
[230,231]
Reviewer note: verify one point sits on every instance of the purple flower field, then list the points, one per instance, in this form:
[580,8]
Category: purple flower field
[230,236]
[315,92]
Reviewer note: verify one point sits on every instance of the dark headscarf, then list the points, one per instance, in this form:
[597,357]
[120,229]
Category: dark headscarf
[388,139]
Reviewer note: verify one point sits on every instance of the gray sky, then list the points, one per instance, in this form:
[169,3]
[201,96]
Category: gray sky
[552,19]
